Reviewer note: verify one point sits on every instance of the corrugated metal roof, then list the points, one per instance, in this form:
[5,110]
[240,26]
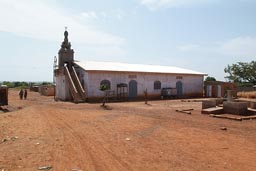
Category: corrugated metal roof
[125,67]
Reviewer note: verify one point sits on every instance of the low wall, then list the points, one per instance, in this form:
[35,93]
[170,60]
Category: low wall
[236,108]
[208,104]
[253,105]
[250,104]
[3,95]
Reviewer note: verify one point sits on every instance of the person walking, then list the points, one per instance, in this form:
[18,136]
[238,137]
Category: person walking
[21,94]
[25,94]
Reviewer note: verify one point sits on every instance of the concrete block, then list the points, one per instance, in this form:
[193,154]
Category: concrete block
[208,104]
[219,101]
[229,95]
[253,105]
[214,110]
[236,108]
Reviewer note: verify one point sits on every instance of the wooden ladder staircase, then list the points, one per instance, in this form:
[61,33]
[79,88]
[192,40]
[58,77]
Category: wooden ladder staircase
[76,89]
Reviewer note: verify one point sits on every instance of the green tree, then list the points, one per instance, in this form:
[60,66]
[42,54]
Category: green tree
[9,84]
[14,84]
[46,83]
[242,72]
[210,78]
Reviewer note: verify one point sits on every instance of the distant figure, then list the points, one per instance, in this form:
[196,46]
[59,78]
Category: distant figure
[146,96]
[25,94]
[21,94]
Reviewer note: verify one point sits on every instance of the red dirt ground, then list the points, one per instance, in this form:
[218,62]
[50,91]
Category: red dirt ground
[132,136]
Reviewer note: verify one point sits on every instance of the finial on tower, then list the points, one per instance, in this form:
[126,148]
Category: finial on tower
[65,44]
[66,33]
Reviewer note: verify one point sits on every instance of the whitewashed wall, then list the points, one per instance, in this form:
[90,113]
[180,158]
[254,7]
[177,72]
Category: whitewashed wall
[192,84]
[62,88]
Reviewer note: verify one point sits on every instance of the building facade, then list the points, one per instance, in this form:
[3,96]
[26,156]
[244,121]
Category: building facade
[219,88]
[3,95]
[82,81]
[92,76]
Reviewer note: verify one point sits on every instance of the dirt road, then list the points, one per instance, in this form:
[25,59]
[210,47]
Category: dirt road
[132,136]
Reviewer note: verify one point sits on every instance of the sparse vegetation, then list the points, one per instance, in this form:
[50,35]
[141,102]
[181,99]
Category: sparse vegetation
[103,88]
[14,84]
[248,94]
[22,84]
[242,72]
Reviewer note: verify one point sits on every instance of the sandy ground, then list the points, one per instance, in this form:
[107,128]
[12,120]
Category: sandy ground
[132,136]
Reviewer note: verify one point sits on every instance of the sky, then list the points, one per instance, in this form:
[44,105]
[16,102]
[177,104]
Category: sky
[200,35]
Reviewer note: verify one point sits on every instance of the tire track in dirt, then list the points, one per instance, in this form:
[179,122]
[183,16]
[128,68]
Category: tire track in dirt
[104,151]
[72,152]
[95,154]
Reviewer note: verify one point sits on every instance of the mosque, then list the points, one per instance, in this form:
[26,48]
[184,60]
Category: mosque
[81,81]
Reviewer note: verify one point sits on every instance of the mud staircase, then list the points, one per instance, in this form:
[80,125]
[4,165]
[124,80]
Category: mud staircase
[76,89]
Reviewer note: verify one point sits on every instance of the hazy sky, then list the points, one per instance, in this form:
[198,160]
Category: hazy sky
[202,35]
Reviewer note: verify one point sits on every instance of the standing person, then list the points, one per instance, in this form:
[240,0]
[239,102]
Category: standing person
[21,94]
[25,94]
[146,96]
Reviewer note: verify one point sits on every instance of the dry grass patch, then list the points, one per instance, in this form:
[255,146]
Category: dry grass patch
[248,94]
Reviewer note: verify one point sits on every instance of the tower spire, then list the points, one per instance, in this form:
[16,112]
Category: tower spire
[66,44]
[66,54]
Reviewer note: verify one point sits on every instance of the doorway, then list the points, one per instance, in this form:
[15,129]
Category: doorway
[179,88]
[133,91]
[219,90]
[209,91]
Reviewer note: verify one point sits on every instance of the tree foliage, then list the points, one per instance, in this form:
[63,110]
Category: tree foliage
[46,83]
[242,72]
[210,78]
[22,84]
[12,84]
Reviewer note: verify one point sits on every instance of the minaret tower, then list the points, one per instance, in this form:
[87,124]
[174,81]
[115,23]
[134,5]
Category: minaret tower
[66,54]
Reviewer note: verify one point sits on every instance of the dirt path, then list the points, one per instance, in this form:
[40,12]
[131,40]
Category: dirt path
[133,136]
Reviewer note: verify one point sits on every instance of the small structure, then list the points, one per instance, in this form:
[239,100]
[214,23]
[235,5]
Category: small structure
[110,95]
[122,91]
[34,88]
[68,85]
[219,88]
[3,95]
[168,93]
[47,90]
[235,108]
[231,107]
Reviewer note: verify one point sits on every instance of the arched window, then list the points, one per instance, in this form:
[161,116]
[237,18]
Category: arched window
[157,85]
[106,83]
